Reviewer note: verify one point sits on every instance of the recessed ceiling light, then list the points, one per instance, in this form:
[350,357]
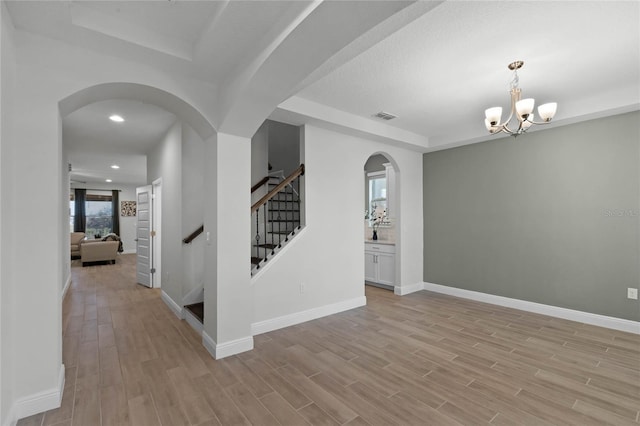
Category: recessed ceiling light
[108,180]
[116,118]
[115,166]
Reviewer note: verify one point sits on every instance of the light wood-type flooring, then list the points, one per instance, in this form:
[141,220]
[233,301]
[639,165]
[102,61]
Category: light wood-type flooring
[421,359]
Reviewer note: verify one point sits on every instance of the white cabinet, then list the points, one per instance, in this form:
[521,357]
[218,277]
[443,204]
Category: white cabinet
[380,263]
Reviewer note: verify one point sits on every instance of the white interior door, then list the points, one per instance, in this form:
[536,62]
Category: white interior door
[144,241]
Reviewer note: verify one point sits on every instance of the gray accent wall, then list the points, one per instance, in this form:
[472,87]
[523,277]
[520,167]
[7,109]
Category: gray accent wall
[551,217]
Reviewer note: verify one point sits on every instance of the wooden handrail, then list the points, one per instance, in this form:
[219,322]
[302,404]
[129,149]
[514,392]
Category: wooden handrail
[259,184]
[297,172]
[193,235]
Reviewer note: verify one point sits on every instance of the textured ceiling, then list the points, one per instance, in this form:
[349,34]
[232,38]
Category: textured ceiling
[440,73]
[436,65]
[94,143]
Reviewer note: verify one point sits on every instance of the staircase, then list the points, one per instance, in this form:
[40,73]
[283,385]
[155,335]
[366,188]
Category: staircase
[276,217]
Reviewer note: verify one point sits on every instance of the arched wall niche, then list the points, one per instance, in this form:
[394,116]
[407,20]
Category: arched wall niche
[381,162]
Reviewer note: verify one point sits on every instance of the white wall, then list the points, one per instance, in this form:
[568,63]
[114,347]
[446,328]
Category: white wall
[127,223]
[328,256]
[192,210]
[36,341]
[228,302]
[7,83]
[165,162]
[260,154]
[284,146]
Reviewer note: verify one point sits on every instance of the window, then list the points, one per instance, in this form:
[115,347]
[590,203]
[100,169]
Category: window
[72,210]
[99,213]
[377,193]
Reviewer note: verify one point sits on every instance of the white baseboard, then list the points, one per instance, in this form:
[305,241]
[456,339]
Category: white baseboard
[538,308]
[175,308]
[193,321]
[304,316]
[408,289]
[129,251]
[38,402]
[222,350]
[65,288]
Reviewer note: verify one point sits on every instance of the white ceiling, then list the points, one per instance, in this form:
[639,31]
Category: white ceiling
[441,72]
[94,142]
[437,73]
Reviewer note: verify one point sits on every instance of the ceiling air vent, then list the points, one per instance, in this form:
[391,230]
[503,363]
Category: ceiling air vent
[385,115]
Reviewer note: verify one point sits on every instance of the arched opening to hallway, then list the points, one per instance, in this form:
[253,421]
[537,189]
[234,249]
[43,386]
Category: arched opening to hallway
[160,133]
[382,221]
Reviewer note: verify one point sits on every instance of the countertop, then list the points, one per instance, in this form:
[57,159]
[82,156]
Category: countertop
[388,243]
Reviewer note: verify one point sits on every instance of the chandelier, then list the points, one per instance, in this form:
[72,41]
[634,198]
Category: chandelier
[521,108]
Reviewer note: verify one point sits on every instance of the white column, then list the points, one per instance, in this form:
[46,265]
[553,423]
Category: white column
[228,300]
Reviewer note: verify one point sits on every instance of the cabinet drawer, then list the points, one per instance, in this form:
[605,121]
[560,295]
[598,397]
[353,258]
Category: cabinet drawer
[379,248]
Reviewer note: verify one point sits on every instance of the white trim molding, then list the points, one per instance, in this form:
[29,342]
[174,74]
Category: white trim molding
[38,402]
[175,308]
[222,350]
[539,308]
[193,321]
[65,288]
[129,251]
[402,290]
[308,315]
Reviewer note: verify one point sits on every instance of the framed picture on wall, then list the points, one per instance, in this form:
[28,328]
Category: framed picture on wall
[127,208]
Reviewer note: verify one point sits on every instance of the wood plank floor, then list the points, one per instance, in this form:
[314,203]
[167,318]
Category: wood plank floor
[420,359]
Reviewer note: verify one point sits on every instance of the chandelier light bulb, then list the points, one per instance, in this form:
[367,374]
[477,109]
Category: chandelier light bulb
[547,111]
[493,115]
[524,107]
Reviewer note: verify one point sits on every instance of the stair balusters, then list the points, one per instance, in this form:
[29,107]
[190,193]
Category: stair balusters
[281,206]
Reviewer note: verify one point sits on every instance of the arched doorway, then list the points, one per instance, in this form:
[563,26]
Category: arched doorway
[188,123]
[382,221]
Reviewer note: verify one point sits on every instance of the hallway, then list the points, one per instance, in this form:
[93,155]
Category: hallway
[420,359]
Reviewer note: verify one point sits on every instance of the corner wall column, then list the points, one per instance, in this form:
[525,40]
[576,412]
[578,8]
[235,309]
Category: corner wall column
[228,298]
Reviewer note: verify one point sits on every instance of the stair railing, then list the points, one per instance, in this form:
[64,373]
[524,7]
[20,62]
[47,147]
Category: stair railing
[192,236]
[260,184]
[275,229]
[279,174]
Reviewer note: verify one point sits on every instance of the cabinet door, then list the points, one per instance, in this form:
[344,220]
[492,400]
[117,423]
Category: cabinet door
[386,268]
[370,267]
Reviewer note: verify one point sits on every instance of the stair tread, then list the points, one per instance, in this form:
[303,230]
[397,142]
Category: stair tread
[197,309]
[284,220]
[267,246]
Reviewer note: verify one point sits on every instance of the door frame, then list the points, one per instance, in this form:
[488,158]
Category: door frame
[156,225]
